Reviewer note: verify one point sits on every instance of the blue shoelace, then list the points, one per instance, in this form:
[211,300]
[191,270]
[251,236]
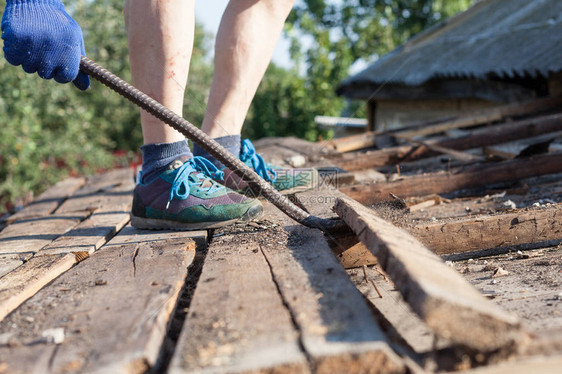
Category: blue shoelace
[181,186]
[248,153]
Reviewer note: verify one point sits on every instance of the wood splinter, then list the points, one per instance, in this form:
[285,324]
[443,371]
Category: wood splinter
[365,273]
[376,288]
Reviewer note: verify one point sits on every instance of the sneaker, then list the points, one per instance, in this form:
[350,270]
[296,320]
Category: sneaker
[184,197]
[284,180]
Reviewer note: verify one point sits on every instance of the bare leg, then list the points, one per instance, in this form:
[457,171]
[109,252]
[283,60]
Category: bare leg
[245,43]
[160,37]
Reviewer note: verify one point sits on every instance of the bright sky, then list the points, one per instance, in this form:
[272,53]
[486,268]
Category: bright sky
[209,13]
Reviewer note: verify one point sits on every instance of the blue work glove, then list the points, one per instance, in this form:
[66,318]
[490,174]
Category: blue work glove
[41,37]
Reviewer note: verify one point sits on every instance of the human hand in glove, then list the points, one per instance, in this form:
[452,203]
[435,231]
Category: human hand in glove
[41,37]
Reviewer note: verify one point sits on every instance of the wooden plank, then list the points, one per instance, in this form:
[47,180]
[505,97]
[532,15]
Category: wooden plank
[447,303]
[502,133]
[102,190]
[368,139]
[526,365]
[469,177]
[320,202]
[346,248]
[338,331]
[455,154]
[97,229]
[485,232]
[352,143]
[114,308]
[89,235]
[485,137]
[350,253]
[9,263]
[29,236]
[484,116]
[409,328]
[406,325]
[130,235]
[300,146]
[237,321]
[49,200]
[24,282]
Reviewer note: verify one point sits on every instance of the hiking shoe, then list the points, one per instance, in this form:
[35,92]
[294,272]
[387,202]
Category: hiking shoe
[184,197]
[284,180]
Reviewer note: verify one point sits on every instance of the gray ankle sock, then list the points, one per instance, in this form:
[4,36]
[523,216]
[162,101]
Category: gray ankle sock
[230,142]
[157,157]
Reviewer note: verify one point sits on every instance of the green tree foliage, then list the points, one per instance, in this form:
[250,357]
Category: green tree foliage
[50,130]
[327,38]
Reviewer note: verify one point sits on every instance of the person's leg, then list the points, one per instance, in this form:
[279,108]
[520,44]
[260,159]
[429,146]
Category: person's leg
[172,192]
[247,36]
[160,37]
[246,39]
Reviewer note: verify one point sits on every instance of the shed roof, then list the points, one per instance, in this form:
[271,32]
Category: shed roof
[494,38]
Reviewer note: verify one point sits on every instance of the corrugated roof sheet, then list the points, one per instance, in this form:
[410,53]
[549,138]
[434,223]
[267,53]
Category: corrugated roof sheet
[504,38]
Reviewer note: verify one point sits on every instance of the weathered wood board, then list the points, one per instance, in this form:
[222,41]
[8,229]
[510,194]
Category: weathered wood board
[29,236]
[319,202]
[23,282]
[102,190]
[113,307]
[470,177]
[9,263]
[537,364]
[89,235]
[408,327]
[484,116]
[237,321]
[485,232]
[338,331]
[477,138]
[49,200]
[440,296]
[130,235]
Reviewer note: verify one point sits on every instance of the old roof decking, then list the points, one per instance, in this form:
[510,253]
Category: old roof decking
[306,313]
[494,38]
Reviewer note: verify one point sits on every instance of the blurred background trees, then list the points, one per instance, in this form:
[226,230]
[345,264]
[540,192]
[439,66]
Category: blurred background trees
[50,131]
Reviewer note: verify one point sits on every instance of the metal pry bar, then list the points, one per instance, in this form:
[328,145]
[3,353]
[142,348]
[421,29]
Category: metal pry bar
[256,183]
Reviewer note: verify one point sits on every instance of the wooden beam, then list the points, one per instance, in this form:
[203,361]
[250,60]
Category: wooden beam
[481,117]
[113,309]
[447,303]
[24,282]
[469,177]
[501,133]
[352,143]
[522,227]
[237,321]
